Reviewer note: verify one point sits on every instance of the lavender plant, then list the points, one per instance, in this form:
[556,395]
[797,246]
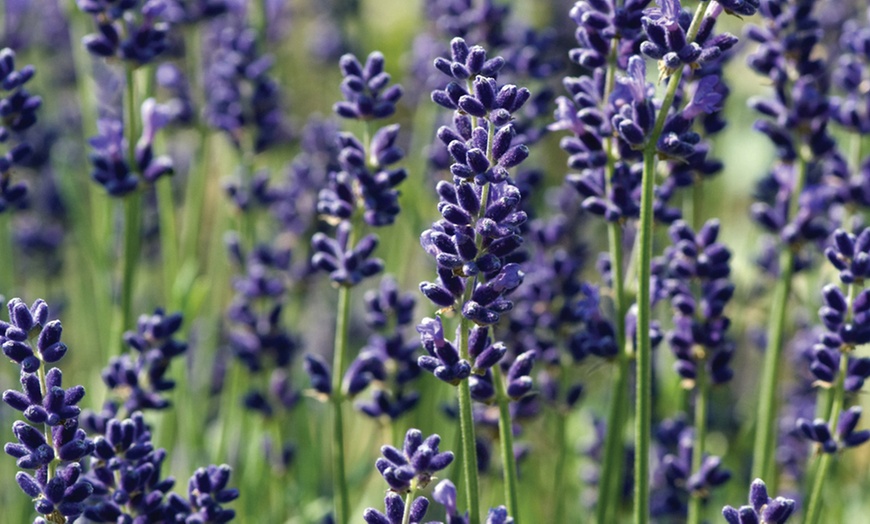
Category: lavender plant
[550,355]
[54,453]
[362,193]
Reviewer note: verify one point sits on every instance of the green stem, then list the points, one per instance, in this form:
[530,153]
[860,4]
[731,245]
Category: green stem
[339,359]
[765,436]
[505,429]
[168,237]
[814,506]
[44,390]
[7,261]
[644,352]
[466,426]
[611,469]
[701,391]
[643,393]
[559,470]
[194,200]
[132,219]
[409,498]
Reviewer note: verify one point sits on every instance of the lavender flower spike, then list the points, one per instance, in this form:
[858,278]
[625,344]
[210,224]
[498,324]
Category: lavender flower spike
[413,466]
[762,508]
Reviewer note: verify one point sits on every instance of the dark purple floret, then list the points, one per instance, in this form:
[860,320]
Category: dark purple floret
[319,373]
[465,63]
[141,375]
[413,466]
[443,358]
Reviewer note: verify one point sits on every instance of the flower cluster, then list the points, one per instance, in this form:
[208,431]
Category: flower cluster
[394,358]
[412,466]
[56,484]
[126,29]
[365,185]
[110,159]
[243,100]
[141,379]
[698,261]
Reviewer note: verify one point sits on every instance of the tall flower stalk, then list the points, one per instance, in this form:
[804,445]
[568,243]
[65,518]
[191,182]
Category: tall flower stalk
[362,193]
[797,125]
[472,241]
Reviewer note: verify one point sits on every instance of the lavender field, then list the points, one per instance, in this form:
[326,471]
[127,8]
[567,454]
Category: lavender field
[443,261]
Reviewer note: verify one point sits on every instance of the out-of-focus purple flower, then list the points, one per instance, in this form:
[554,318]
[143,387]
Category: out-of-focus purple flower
[17,114]
[390,311]
[243,100]
[365,89]
[142,378]
[698,261]
[761,508]
[109,160]
[127,30]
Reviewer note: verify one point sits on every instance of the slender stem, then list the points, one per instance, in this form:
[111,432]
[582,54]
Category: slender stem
[466,428]
[168,236]
[559,470]
[339,359]
[702,390]
[132,219]
[814,505]
[505,430]
[765,436]
[611,469]
[7,260]
[50,441]
[644,352]
[610,481]
[643,394]
[409,498]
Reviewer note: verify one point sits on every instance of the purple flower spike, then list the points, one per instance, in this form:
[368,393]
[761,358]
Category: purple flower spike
[761,508]
[365,89]
[413,466]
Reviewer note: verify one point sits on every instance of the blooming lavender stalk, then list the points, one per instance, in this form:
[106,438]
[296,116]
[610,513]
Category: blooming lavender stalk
[605,33]
[797,126]
[677,48]
[472,242]
[362,193]
[406,471]
[55,454]
[844,317]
